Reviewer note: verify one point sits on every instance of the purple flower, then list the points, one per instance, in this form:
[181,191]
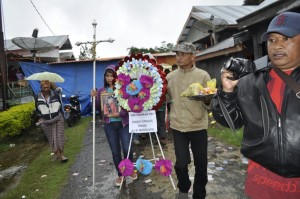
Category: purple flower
[123,93]
[135,104]
[144,94]
[123,79]
[146,81]
[126,167]
[164,167]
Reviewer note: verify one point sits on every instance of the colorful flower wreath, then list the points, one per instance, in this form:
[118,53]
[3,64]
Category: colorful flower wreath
[162,166]
[140,84]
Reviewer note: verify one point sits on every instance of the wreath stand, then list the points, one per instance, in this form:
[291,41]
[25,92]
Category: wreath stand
[154,158]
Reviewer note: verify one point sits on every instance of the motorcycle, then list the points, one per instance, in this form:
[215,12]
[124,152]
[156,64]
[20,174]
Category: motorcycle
[72,112]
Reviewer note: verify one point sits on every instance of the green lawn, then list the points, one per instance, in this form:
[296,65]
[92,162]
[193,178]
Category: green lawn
[43,179]
[226,135]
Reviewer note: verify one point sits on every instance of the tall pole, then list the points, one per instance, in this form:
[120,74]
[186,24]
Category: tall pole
[94,44]
[3,62]
[94,105]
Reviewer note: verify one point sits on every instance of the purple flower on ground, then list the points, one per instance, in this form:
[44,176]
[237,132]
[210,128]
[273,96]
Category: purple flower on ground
[164,167]
[146,81]
[126,167]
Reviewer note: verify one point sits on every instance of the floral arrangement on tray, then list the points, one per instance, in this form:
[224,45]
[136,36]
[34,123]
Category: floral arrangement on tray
[196,89]
[140,84]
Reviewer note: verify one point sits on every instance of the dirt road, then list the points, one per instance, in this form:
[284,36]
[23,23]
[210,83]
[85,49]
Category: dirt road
[226,171]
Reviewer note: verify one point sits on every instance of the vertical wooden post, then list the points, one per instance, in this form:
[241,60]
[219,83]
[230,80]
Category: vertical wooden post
[3,63]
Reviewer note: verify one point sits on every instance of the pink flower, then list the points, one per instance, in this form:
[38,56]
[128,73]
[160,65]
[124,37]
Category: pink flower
[126,167]
[135,104]
[123,79]
[164,167]
[146,81]
[123,93]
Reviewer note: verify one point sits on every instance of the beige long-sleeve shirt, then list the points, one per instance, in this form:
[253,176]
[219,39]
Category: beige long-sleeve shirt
[187,115]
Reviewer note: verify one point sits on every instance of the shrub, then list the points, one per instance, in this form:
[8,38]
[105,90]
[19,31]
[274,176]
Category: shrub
[16,119]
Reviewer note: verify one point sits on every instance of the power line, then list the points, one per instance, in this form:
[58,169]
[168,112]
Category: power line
[42,17]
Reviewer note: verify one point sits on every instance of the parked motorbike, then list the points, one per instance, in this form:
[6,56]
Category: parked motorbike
[72,112]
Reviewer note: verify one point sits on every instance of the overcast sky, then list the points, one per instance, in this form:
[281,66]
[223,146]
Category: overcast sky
[139,23]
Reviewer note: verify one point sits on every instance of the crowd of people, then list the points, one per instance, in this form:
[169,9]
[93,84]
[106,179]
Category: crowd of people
[262,102]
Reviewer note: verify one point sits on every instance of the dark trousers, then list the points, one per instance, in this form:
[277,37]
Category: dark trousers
[198,141]
[161,124]
[118,138]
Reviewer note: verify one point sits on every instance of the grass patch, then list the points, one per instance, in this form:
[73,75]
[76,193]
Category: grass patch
[33,185]
[227,135]
[3,147]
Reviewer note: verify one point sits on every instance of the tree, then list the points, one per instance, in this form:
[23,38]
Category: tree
[85,52]
[162,49]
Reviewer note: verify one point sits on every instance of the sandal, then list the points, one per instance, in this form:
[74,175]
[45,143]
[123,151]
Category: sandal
[64,160]
[118,181]
[134,175]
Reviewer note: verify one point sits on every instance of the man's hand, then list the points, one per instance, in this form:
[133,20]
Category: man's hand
[228,85]
[93,93]
[205,99]
[113,115]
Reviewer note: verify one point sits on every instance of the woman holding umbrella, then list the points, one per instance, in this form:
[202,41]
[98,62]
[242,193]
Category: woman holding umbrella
[48,104]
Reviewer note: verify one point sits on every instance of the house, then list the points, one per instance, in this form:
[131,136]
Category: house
[62,50]
[237,35]
[257,22]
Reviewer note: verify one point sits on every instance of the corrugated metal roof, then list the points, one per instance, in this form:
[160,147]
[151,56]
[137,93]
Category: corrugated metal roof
[61,41]
[164,54]
[115,58]
[9,45]
[89,60]
[203,13]
[228,13]
[227,43]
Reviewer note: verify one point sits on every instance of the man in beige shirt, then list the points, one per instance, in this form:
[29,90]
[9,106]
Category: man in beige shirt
[189,121]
